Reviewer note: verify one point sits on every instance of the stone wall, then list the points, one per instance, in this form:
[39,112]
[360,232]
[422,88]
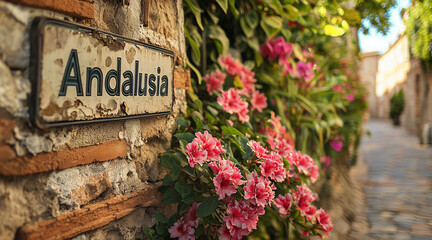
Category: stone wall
[368,71]
[89,181]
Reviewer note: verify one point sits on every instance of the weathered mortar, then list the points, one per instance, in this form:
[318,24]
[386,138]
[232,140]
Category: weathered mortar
[33,198]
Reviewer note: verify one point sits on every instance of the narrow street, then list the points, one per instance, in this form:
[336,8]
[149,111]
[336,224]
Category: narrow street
[398,187]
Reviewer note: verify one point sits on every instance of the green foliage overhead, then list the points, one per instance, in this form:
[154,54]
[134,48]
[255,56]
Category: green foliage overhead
[419,29]
[375,13]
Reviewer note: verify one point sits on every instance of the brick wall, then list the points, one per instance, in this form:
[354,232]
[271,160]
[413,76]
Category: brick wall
[90,181]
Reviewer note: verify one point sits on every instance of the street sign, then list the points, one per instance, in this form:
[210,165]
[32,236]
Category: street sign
[83,75]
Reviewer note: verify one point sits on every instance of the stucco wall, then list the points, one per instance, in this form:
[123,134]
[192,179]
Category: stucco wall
[102,177]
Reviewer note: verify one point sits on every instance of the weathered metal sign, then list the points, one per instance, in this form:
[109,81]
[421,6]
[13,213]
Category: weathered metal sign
[83,75]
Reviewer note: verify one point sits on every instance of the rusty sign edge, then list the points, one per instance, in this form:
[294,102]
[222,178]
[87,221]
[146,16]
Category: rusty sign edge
[35,71]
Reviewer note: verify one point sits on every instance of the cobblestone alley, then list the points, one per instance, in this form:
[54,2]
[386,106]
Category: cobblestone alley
[398,186]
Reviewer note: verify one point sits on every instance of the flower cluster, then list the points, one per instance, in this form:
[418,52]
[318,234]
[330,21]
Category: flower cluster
[241,219]
[228,178]
[203,148]
[185,227]
[279,48]
[234,100]
[232,103]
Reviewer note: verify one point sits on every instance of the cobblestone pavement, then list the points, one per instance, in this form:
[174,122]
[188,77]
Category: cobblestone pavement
[398,187]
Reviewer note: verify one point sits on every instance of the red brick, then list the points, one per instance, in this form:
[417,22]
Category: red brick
[74,8]
[6,130]
[181,78]
[89,218]
[11,165]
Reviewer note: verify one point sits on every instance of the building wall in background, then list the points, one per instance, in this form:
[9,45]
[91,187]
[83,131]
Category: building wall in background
[368,71]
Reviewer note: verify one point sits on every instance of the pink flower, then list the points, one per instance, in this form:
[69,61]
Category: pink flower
[243,115]
[336,143]
[303,162]
[258,189]
[231,65]
[224,233]
[282,48]
[284,204]
[258,101]
[324,221]
[314,173]
[203,148]
[228,178]
[214,81]
[337,87]
[210,144]
[183,228]
[303,197]
[350,97]
[190,215]
[259,151]
[288,68]
[276,48]
[306,70]
[267,50]
[182,231]
[234,68]
[232,103]
[242,218]
[281,146]
[195,154]
[273,167]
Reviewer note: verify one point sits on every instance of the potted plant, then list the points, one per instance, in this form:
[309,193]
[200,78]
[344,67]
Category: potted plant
[397,104]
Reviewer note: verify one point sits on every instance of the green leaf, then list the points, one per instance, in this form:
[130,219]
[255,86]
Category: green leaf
[223,4]
[207,207]
[271,25]
[169,161]
[276,5]
[183,188]
[161,218]
[352,16]
[197,73]
[198,119]
[171,196]
[333,31]
[196,10]
[149,233]
[292,12]
[231,131]
[265,78]
[248,23]
[182,123]
[248,150]
[196,52]
[216,33]
[170,179]
[232,8]
[186,136]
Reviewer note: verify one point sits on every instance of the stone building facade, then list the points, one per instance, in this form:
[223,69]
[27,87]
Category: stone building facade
[92,180]
[398,69]
[368,70]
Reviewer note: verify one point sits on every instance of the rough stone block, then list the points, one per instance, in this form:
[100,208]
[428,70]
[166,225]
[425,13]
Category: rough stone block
[74,8]
[93,216]
[45,162]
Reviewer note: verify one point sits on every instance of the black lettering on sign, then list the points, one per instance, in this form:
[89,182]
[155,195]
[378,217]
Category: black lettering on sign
[129,85]
[68,80]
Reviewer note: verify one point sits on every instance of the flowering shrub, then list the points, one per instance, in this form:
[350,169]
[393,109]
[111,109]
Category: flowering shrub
[226,181]
[260,126]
